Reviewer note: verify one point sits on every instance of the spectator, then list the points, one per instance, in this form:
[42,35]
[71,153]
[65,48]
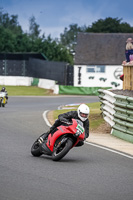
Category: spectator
[128,54]
[129,49]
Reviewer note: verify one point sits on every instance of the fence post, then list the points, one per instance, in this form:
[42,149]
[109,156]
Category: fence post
[24,68]
[5,67]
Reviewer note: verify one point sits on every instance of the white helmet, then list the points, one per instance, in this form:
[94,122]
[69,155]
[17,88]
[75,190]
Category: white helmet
[83,112]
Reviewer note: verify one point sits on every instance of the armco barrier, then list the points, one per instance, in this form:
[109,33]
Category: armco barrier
[117,110]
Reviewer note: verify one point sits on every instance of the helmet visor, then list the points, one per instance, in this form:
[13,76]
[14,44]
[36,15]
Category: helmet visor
[83,115]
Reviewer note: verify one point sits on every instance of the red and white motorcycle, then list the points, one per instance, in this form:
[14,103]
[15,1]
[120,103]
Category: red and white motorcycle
[58,144]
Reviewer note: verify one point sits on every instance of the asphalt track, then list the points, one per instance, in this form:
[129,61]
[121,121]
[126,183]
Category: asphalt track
[85,173]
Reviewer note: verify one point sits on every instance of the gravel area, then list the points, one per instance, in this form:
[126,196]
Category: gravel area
[128,93]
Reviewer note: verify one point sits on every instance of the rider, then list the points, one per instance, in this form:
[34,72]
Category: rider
[6,94]
[82,114]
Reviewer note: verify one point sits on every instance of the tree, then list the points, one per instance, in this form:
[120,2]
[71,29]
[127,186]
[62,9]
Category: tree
[12,39]
[7,40]
[68,38]
[23,43]
[110,25]
[34,30]
[55,51]
[10,22]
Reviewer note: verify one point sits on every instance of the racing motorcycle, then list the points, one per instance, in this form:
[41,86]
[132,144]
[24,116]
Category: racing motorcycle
[58,143]
[2,99]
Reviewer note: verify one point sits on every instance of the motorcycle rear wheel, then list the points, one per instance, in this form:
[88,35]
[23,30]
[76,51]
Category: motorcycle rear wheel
[35,149]
[62,150]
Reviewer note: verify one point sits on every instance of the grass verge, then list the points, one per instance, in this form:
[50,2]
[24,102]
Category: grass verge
[27,91]
[95,118]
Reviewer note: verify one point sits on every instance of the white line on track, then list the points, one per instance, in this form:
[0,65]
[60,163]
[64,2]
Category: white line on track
[108,149]
[95,145]
[45,118]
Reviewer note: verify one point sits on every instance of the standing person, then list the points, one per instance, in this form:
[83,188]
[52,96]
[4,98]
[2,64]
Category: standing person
[129,49]
[6,94]
[128,53]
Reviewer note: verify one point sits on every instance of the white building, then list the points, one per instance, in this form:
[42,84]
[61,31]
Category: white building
[98,59]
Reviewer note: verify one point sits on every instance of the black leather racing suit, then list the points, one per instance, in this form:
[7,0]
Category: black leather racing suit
[68,116]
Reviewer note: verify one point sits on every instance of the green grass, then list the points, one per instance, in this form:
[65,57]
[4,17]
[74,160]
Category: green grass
[95,117]
[26,91]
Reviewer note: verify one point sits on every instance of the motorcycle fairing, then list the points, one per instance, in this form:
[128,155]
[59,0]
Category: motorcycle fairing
[63,130]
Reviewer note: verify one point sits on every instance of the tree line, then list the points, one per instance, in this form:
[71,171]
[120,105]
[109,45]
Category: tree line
[14,39]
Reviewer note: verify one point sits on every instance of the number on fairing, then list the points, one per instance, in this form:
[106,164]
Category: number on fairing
[80,128]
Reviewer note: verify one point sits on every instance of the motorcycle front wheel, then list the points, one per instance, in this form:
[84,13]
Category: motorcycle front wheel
[61,149]
[35,149]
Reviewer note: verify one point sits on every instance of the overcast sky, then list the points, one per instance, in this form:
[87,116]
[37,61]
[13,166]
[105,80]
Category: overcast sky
[54,15]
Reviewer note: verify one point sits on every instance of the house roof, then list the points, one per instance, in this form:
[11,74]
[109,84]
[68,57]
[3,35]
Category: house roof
[100,48]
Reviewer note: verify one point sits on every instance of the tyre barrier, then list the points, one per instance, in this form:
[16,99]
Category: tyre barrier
[117,110]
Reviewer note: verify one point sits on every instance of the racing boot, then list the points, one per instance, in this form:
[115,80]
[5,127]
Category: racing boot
[44,136]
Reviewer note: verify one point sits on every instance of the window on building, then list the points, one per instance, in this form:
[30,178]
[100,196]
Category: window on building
[95,69]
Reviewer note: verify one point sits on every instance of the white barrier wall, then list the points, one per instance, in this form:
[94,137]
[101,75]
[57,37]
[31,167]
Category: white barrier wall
[27,81]
[46,83]
[98,76]
[15,80]
[49,84]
